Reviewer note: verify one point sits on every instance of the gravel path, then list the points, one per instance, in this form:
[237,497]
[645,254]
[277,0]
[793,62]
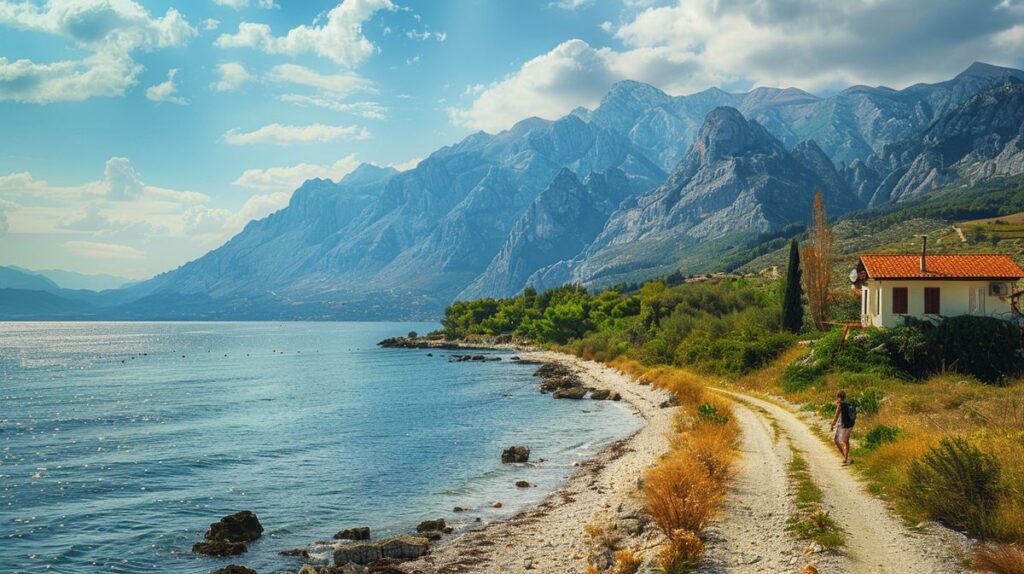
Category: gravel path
[605,490]
[876,541]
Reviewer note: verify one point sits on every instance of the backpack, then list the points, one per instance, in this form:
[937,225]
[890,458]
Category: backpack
[851,412]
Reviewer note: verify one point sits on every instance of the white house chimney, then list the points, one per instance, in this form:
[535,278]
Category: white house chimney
[924,253]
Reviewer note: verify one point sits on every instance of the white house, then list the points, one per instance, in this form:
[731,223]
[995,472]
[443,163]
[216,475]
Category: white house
[931,286]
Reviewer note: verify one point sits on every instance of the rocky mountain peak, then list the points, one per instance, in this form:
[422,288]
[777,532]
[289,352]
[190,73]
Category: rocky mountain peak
[726,133]
[368,173]
[983,70]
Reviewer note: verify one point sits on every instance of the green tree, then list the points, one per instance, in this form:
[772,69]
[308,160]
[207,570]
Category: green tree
[792,304]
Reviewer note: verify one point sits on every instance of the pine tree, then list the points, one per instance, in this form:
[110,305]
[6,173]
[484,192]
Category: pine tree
[792,305]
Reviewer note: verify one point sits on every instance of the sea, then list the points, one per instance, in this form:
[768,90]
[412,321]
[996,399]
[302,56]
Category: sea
[121,442]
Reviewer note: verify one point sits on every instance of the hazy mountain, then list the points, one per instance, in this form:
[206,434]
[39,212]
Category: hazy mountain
[73,280]
[560,222]
[585,198]
[414,238]
[12,277]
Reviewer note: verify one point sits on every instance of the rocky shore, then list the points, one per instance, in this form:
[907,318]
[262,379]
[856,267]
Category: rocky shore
[549,537]
[603,491]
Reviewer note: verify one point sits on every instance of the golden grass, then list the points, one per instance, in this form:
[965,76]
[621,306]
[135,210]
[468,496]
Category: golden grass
[626,562]
[999,558]
[680,493]
[683,550]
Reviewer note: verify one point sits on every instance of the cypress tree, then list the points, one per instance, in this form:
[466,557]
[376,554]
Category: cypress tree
[792,305]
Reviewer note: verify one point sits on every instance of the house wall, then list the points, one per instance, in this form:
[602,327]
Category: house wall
[954,297]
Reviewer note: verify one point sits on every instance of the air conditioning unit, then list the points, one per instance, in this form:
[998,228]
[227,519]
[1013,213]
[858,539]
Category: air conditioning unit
[999,289]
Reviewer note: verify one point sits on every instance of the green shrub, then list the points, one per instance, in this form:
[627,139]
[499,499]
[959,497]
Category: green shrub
[957,484]
[709,413]
[881,434]
[800,376]
[984,347]
[868,401]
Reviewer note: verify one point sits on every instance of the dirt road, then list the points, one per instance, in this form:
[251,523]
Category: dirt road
[752,536]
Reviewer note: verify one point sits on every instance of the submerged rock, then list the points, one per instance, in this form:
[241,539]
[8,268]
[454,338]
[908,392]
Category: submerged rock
[403,547]
[515,454]
[234,569]
[297,552]
[219,548]
[242,526]
[358,533]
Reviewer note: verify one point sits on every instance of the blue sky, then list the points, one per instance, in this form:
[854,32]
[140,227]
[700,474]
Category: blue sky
[137,135]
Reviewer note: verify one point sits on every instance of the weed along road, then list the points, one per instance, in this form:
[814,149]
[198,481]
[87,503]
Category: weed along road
[875,541]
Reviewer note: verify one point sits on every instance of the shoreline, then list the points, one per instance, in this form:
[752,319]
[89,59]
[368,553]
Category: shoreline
[605,490]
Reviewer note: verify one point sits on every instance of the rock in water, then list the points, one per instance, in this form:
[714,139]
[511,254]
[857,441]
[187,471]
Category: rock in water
[575,393]
[359,533]
[438,525]
[522,484]
[515,454]
[403,547]
[297,552]
[219,548]
[600,394]
[242,526]
[234,569]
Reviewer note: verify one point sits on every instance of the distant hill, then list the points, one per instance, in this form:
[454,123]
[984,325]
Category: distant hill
[73,280]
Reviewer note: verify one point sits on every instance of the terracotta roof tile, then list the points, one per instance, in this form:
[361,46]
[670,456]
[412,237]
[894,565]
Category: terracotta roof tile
[940,266]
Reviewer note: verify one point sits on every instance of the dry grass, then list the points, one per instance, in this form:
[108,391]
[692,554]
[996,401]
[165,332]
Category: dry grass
[999,558]
[682,552]
[626,562]
[681,494]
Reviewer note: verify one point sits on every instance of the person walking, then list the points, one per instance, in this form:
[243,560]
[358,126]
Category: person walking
[846,417]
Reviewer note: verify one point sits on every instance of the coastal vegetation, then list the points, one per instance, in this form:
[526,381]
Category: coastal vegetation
[941,426]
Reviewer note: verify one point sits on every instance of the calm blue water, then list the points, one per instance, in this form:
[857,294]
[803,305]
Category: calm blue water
[121,442]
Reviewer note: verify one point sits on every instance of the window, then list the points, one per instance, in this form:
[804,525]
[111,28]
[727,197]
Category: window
[931,301]
[863,301]
[899,300]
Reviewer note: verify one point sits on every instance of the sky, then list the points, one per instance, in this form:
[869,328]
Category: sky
[137,135]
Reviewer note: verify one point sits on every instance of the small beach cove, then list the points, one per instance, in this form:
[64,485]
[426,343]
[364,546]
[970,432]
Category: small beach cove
[311,426]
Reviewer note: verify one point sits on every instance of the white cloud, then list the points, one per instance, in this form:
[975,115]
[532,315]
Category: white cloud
[369,110]
[233,75]
[425,35]
[279,134]
[217,225]
[813,44]
[122,180]
[406,165]
[109,31]
[573,4]
[342,83]
[286,179]
[100,250]
[166,91]
[242,4]
[211,24]
[340,39]
[5,206]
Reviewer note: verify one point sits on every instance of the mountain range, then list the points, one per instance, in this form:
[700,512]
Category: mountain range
[643,184]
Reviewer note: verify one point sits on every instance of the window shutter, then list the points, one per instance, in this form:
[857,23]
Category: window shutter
[899,300]
[932,304]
